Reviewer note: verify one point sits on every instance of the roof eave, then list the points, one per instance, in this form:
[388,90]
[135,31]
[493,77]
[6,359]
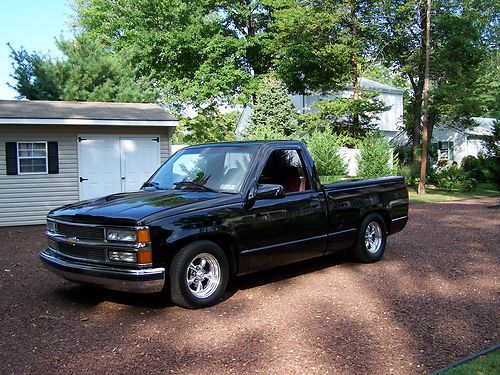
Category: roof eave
[86,122]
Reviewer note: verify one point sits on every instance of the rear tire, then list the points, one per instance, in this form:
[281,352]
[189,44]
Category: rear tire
[372,238]
[198,275]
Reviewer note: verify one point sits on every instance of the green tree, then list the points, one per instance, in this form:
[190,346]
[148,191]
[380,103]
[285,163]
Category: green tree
[456,58]
[199,52]
[320,48]
[374,157]
[324,148]
[273,108]
[461,33]
[94,73]
[37,76]
[487,86]
[88,72]
[337,114]
[320,45]
[208,126]
[492,145]
[310,51]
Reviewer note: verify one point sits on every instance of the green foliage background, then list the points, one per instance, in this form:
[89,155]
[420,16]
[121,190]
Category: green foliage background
[374,158]
[206,54]
[324,148]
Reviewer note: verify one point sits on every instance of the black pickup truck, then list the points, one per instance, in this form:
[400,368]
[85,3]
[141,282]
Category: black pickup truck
[215,211]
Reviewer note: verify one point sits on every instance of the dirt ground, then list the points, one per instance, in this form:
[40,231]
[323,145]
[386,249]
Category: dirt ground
[432,300]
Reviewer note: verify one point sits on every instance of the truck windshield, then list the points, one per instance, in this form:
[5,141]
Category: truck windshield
[217,168]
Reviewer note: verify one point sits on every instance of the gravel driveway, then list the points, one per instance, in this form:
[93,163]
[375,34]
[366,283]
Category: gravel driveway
[432,300]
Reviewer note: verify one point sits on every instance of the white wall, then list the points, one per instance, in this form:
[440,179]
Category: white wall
[463,146]
[349,155]
[176,148]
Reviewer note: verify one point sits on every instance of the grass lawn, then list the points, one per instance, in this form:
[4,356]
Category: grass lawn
[483,365]
[438,195]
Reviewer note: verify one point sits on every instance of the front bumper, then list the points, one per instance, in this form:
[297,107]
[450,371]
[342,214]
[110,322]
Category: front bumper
[149,280]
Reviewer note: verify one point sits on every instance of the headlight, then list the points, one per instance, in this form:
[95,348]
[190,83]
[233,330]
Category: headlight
[140,235]
[51,226]
[122,256]
[120,235]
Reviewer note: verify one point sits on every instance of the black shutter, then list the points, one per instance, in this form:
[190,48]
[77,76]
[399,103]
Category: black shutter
[11,153]
[53,153]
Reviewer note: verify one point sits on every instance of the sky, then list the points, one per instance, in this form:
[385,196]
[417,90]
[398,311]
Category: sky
[33,24]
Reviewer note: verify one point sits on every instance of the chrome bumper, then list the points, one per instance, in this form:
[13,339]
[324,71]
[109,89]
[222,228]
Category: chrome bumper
[149,280]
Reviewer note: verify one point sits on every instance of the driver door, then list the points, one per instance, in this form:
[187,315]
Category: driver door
[278,231]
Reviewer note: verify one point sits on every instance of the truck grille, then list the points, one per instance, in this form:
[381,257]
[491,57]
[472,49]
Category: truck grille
[80,232]
[78,251]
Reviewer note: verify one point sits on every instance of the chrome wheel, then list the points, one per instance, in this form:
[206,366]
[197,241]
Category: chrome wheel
[203,275]
[373,237]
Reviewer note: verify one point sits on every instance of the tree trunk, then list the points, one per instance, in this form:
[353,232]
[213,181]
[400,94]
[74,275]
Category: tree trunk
[354,63]
[417,118]
[425,119]
[419,86]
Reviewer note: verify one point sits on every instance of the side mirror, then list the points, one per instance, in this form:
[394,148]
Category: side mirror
[270,191]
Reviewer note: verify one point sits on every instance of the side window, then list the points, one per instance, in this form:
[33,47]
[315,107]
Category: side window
[32,157]
[37,157]
[285,167]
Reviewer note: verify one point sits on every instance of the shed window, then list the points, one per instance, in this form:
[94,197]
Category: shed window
[32,157]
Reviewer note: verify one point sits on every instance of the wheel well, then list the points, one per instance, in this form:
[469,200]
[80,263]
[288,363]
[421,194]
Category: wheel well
[385,215]
[222,240]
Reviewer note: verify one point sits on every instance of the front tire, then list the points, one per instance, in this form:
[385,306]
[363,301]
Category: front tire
[199,273]
[372,238]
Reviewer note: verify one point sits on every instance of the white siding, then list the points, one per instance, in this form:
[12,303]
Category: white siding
[464,145]
[26,199]
[392,119]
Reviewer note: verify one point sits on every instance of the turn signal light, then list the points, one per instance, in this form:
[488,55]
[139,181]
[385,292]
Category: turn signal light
[142,235]
[144,257]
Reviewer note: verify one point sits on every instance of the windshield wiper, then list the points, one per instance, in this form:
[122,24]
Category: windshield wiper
[152,184]
[197,184]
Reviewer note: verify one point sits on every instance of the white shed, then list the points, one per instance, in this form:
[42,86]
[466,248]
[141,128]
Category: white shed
[55,153]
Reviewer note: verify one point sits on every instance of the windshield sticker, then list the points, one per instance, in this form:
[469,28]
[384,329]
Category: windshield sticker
[227,187]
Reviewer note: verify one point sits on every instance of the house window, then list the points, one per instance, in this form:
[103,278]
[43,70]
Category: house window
[32,157]
[445,151]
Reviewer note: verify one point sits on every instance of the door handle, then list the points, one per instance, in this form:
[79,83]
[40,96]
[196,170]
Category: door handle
[123,178]
[315,204]
[83,179]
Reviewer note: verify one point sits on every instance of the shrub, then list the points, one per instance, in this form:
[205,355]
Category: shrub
[491,169]
[404,153]
[324,148]
[374,158]
[411,173]
[453,178]
[263,132]
[474,167]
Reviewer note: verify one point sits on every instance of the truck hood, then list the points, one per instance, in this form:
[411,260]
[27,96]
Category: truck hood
[134,208]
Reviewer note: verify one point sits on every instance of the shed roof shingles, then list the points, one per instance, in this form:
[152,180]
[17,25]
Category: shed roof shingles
[41,109]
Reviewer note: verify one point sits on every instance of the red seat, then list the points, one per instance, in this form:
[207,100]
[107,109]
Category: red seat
[289,177]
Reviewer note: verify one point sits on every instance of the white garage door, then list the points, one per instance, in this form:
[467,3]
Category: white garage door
[112,164]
